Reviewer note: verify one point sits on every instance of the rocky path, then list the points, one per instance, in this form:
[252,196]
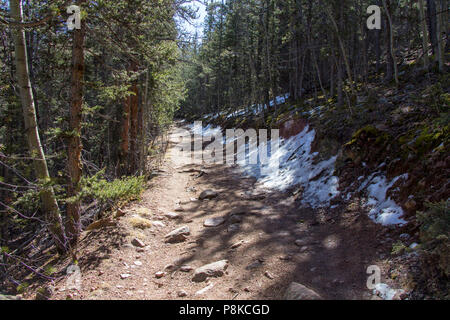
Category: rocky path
[235,243]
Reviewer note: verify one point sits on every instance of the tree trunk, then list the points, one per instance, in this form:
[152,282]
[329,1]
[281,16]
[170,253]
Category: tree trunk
[344,55]
[440,39]
[134,123]
[49,203]
[431,14]
[426,60]
[73,226]
[386,4]
[124,135]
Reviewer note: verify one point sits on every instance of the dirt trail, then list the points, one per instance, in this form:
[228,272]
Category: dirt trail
[337,245]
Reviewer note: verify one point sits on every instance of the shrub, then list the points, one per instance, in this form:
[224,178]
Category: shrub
[125,189]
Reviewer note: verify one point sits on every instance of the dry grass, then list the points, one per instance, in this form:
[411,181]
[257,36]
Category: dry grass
[140,223]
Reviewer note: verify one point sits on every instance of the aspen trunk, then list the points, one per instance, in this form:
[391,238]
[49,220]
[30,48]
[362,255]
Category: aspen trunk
[49,203]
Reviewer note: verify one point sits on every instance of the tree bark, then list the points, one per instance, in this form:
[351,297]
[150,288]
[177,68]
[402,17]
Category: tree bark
[134,123]
[431,14]
[49,203]
[73,226]
[386,4]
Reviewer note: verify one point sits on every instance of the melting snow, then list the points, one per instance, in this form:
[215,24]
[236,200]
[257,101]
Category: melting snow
[385,292]
[291,164]
[383,209]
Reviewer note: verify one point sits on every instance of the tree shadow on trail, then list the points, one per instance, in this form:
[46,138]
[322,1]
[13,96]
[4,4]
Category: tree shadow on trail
[327,250]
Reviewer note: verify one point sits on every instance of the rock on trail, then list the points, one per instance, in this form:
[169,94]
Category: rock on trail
[297,291]
[213,222]
[178,235]
[215,269]
[208,195]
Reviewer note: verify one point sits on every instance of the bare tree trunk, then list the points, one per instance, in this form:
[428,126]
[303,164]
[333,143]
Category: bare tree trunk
[124,135]
[49,203]
[134,112]
[391,41]
[73,226]
[431,14]
[426,60]
[440,39]
[344,55]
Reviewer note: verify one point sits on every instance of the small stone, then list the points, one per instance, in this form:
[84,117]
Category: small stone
[213,222]
[208,194]
[138,263]
[254,265]
[297,291]
[215,269]
[138,243]
[178,209]
[234,227]
[172,215]
[237,244]
[159,275]
[287,257]
[169,267]
[182,294]
[268,275]
[125,275]
[404,236]
[158,224]
[178,235]
[186,268]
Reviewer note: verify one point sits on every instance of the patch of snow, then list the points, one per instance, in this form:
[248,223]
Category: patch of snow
[413,245]
[292,164]
[383,209]
[385,292]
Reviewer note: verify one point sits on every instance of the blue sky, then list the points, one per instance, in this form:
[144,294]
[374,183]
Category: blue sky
[197,25]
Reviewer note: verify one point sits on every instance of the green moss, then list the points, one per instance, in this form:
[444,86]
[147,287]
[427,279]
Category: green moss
[368,130]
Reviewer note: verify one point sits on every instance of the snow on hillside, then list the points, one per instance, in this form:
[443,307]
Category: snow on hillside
[292,164]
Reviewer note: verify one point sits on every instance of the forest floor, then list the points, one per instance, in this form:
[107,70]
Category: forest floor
[268,241]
